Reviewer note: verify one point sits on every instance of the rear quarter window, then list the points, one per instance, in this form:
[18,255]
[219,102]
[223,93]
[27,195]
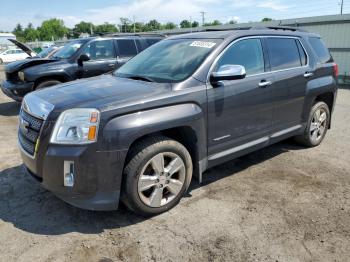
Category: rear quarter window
[320,50]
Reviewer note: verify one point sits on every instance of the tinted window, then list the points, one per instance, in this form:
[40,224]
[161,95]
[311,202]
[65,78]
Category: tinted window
[152,41]
[69,49]
[247,53]
[126,47]
[139,45]
[99,50]
[303,56]
[170,60]
[320,49]
[283,53]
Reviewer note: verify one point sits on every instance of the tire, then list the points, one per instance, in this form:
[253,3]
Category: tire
[141,197]
[47,84]
[316,130]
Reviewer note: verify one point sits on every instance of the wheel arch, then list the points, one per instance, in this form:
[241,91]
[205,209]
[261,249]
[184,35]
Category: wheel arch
[61,78]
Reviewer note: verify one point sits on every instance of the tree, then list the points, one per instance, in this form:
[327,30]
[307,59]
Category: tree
[52,29]
[125,24]
[195,24]
[169,26]
[152,25]
[31,34]
[266,19]
[83,27]
[18,32]
[232,22]
[216,22]
[185,24]
[106,28]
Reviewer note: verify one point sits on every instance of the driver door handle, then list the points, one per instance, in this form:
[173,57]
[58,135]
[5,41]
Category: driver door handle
[264,83]
[308,74]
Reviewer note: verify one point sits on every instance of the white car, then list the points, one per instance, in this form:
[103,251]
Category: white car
[12,55]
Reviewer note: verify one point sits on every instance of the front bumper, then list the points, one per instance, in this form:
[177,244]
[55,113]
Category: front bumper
[16,91]
[97,175]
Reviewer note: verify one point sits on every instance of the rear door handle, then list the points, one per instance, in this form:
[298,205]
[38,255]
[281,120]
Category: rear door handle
[308,74]
[265,83]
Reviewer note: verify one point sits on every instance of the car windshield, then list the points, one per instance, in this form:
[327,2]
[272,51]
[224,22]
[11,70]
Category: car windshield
[69,49]
[46,51]
[168,61]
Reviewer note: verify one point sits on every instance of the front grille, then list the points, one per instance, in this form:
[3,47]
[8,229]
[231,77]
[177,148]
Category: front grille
[28,131]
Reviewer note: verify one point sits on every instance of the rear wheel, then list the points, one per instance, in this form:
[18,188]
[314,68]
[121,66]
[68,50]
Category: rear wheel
[47,83]
[317,125]
[157,176]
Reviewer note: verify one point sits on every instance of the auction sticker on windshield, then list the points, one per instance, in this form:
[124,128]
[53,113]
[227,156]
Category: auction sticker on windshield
[203,44]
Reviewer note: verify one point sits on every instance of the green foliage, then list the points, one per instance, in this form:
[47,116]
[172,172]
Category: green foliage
[214,23]
[169,26]
[195,24]
[52,29]
[106,28]
[152,25]
[18,32]
[232,22]
[185,24]
[83,27]
[266,19]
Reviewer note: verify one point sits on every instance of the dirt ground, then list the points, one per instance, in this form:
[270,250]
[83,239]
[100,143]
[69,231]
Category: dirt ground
[282,203]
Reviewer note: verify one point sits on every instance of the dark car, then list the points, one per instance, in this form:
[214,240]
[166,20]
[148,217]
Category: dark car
[180,107]
[81,58]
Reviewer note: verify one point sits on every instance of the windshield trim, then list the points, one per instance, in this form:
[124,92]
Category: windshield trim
[83,43]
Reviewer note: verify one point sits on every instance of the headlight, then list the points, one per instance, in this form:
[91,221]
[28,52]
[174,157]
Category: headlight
[76,126]
[21,75]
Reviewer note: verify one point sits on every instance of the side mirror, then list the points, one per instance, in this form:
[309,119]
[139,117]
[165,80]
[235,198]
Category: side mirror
[228,72]
[83,58]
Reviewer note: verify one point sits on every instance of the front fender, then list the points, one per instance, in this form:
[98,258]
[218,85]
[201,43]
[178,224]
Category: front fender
[119,133]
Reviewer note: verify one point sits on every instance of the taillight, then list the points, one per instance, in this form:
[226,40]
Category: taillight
[336,70]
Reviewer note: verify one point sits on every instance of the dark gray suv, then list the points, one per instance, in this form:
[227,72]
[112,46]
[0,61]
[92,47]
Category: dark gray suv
[184,105]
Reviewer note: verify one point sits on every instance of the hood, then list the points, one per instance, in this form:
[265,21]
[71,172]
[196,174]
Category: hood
[19,65]
[24,47]
[100,92]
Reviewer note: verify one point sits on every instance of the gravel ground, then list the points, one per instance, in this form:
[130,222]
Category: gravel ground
[282,203]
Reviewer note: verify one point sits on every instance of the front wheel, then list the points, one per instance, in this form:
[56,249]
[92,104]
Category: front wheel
[317,126]
[157,176]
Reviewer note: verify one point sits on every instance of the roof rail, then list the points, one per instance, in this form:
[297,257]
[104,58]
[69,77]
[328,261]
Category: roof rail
[284,28]
[142,34]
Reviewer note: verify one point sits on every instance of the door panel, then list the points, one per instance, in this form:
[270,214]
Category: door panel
[288,61]
[240,111]
[102,58]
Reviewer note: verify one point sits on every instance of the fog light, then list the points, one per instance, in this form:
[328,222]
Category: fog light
[68,173]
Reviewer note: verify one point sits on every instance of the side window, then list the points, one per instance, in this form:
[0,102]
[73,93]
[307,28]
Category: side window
[320,49]
[126,47]
[152,41]
[139,45]
[303,56]
[284,53]
[247,53]
[99,50]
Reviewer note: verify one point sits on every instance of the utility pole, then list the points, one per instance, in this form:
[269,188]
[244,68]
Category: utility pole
[341,7]
[203,18]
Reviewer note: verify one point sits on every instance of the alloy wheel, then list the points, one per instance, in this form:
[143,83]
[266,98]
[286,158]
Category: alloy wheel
[318,125]
[161,179]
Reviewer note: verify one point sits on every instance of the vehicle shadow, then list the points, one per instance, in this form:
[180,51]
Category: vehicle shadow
[10,108]
[28,207]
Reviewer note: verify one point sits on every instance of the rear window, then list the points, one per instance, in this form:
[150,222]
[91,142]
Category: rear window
[127,47]
[283,53]
[320,49]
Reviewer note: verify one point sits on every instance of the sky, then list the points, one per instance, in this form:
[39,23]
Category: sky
[100,11]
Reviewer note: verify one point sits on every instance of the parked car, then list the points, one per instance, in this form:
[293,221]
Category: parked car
[49,52]
[12,55]
[182,106]
[81,58]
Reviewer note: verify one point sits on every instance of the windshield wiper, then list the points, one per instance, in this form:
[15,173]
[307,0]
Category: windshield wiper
[142,78]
